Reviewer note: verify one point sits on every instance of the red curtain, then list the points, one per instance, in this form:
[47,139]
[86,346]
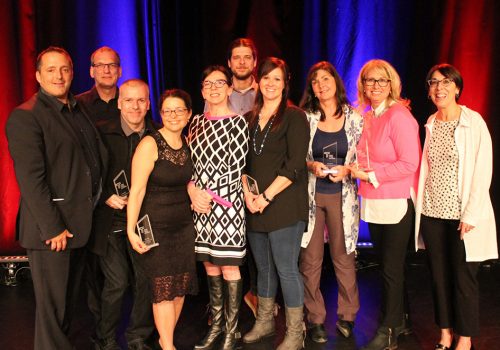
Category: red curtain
[467,43]
[17,83]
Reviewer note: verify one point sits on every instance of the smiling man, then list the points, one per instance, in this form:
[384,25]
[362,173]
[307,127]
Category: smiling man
[116,258]
[102,99]
[58,158]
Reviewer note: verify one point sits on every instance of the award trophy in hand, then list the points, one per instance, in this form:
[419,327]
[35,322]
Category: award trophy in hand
[121,184]
[330,158]
[146,232]
[363,158]
[252,184]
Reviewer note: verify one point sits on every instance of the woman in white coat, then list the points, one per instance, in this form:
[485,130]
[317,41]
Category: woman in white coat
[454,215]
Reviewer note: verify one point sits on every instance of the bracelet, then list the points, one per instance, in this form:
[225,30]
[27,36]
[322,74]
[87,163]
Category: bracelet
[266,199]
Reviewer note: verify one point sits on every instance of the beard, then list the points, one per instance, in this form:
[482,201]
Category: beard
[242,76]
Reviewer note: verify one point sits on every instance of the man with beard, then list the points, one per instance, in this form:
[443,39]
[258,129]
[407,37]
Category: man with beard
[242,59]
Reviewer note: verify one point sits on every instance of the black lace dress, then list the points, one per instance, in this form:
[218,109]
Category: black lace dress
[171,266]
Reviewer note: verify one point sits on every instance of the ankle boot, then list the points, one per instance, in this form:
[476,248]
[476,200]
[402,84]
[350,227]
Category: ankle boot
[294,338]
[215,291]
[385,339]
[232,295]
[264,323]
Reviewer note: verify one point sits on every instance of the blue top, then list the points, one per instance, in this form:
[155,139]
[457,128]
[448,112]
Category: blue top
[321,140]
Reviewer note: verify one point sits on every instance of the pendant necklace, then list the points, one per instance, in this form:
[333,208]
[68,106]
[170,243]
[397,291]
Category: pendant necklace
[265,135]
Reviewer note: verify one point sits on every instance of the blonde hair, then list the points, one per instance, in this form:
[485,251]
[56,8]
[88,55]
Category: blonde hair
[387,71]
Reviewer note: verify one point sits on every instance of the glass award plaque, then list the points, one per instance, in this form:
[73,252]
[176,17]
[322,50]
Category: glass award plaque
[121,184]
[330,158]
[146,232]
[252,185]
[363,157]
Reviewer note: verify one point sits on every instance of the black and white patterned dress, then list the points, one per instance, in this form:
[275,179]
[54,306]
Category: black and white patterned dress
[218,149]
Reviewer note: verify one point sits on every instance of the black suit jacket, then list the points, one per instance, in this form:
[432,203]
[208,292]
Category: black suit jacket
[52,173]
[119,159]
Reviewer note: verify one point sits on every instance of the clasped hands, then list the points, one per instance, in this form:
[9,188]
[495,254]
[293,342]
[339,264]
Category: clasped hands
[255,202]
[317,168]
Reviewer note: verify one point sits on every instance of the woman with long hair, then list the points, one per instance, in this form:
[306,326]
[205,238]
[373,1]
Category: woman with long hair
[333,198]
[278,212]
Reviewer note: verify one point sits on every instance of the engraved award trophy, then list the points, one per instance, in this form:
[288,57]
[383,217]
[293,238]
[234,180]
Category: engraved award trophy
[146,232]
[121,184]
[330,158]
[252,185]
[363,157]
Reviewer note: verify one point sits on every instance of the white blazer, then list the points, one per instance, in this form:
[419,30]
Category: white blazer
[475,168]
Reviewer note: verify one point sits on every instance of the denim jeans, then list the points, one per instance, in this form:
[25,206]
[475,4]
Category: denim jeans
[276,255]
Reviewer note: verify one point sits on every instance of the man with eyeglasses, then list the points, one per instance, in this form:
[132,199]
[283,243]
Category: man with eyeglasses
[102,99]
[117,259]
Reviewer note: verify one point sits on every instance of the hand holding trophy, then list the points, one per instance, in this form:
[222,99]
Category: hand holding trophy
[330,158]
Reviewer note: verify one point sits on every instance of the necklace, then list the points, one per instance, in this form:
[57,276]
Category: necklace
[265,135]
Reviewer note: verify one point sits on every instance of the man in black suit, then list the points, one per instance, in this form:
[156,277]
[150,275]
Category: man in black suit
[102,102]
[117,259]
[59,160]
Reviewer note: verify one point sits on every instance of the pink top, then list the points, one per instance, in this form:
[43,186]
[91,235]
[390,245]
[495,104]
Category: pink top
[219,117]
[394,151]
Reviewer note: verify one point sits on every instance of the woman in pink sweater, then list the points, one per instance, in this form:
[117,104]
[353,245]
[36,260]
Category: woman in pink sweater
[388,158]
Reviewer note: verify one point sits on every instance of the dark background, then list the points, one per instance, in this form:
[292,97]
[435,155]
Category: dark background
[168,43]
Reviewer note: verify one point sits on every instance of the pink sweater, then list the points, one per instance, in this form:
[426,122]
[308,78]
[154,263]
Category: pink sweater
[394,151]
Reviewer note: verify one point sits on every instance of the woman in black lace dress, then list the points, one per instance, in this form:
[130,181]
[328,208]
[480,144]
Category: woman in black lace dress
[161,168]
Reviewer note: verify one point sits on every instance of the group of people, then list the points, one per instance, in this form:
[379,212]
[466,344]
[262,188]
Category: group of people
[93,169]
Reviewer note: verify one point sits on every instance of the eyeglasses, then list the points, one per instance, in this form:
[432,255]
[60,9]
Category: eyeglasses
[382,82]
[110,66]
[178,112]
[433,83]
[207,84]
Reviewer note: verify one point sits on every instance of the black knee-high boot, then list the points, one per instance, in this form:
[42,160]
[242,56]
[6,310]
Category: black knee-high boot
[215,290]
[232,296]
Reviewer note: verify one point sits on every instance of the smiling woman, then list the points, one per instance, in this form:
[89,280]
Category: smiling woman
[218,140]
[454,214]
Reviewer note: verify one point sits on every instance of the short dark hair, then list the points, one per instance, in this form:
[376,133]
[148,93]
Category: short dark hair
[449,72]
[242,42]
[178,93]
[52,49]
[214,68]
[310,102]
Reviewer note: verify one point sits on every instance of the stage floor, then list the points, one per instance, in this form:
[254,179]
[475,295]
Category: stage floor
[17,313]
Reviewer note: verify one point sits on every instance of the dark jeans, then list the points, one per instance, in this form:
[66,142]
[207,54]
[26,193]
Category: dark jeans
[454,280]
[116,267]
[390,242]
[276,255]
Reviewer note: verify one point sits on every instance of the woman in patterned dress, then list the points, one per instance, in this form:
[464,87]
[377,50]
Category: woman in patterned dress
[218,140]
[161,167]
[453,210]
[333,199]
